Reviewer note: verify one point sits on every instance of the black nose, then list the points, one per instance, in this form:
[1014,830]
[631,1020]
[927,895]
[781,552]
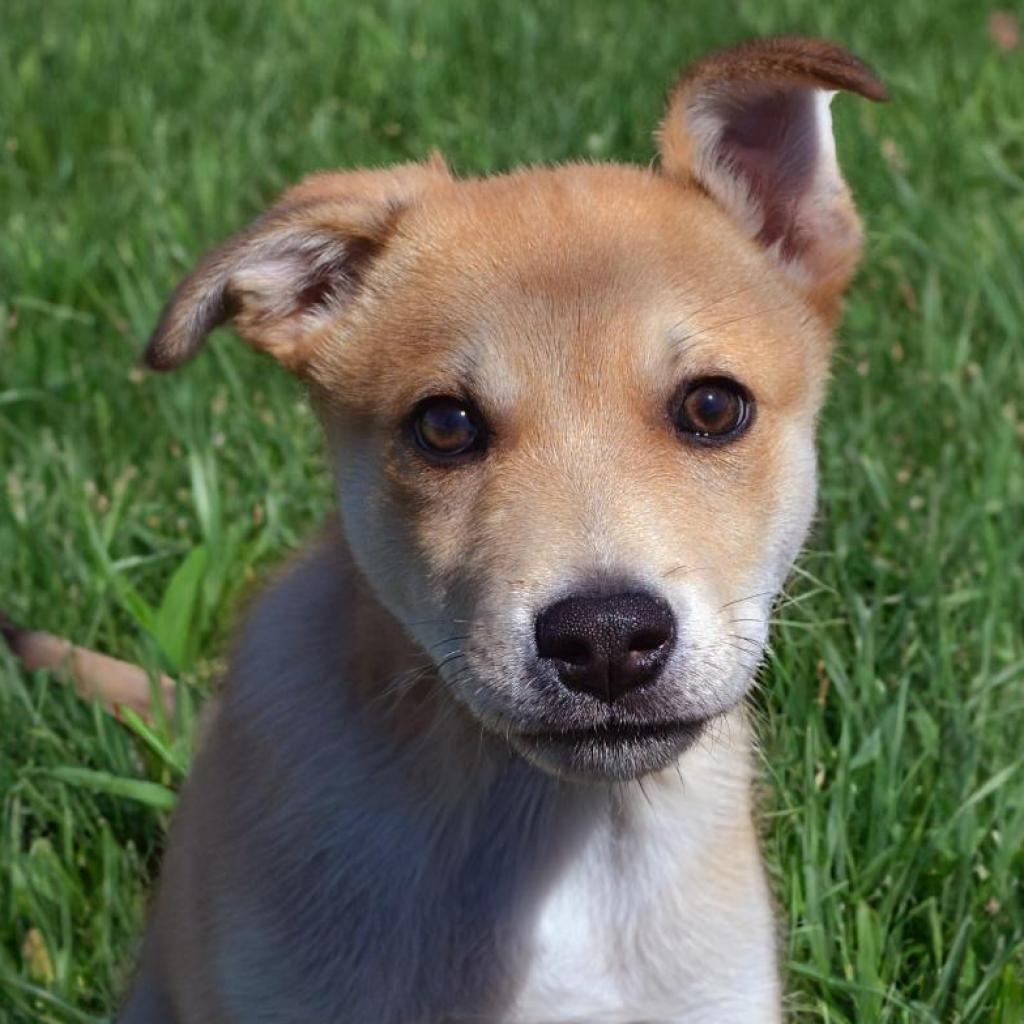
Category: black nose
[607,646]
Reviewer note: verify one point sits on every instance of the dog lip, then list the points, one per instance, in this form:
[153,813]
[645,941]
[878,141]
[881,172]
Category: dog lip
[617,733]
[610,751]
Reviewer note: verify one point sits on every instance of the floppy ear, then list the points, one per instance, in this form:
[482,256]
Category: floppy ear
[295,269]
[752,127]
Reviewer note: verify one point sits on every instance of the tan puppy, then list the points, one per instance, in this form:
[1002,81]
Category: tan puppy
[481,755]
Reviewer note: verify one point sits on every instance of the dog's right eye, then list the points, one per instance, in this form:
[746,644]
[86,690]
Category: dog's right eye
[447,429]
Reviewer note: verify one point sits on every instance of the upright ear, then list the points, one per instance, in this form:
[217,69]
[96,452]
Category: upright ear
[295,269]
[752,127]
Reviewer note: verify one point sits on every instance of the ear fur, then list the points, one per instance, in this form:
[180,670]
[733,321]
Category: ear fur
[292,270]
[751,126]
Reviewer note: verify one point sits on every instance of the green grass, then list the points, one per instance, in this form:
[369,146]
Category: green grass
[134,135]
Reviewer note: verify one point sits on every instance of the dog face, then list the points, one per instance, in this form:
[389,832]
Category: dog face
[572,410]
[575,455]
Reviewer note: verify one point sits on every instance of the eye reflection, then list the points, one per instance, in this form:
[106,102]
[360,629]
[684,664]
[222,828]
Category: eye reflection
[714,408]
[446,428]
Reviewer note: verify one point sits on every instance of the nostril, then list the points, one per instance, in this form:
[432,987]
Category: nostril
[568,649]
[649,640]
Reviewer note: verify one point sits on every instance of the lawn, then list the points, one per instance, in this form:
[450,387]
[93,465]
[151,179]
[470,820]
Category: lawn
[136,510]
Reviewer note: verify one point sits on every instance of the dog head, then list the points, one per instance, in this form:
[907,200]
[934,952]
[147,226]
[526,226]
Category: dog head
[572,410]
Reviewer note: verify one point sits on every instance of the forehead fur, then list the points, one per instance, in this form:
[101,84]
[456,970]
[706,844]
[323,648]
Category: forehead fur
[599,274]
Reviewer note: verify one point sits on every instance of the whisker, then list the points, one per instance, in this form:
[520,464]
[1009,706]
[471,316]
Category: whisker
[401,682]
[687,338]
[448,658]
[448,640]
[686,569]
[746,639]
[740,600]
[734,293]
[431,622]
[640,783]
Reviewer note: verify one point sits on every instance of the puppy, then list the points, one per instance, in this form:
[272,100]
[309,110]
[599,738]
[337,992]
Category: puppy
[481,754]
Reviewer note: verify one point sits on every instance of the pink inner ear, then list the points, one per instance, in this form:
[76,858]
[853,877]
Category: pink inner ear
[772,143]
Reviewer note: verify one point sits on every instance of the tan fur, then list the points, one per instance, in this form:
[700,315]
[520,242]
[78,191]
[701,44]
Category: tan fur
[752,71]
[571,306]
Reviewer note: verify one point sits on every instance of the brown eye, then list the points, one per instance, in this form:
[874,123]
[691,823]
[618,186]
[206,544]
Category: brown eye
[446,428]
[714,409]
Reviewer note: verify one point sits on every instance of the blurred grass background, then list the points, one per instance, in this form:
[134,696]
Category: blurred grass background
[135,510]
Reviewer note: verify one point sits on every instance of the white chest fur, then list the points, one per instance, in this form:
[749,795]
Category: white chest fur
[664,915]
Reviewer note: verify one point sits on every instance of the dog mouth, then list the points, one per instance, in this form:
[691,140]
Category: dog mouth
[610,750]
[617,733]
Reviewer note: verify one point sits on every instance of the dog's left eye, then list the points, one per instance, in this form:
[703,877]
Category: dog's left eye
[448,429]
[714,409]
